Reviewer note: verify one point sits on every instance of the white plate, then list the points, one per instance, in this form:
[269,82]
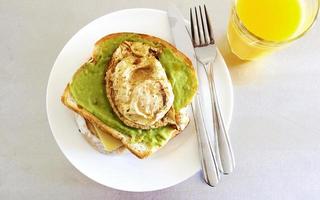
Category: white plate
[176,162]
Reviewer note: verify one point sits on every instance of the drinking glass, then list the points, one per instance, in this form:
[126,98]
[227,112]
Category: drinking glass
[248,46]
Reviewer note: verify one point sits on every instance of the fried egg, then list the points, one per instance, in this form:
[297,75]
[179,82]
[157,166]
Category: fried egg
[138,88]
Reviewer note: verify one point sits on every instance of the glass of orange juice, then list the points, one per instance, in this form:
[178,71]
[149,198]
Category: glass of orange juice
[258,27]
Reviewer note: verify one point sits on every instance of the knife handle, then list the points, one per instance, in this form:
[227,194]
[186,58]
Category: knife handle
[223,140]
[206,146]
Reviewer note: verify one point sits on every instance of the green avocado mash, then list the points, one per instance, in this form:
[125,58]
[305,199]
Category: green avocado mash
[88,88]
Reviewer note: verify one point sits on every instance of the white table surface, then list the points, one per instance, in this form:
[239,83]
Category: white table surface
[275,128]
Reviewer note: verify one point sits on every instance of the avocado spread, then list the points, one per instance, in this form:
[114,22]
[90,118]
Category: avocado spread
[88,87]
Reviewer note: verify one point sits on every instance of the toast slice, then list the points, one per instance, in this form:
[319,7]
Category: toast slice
[180,73]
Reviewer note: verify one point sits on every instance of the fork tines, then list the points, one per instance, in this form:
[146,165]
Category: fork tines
[201,29]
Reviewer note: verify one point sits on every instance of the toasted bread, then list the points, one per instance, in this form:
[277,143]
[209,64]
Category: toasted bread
[140,149]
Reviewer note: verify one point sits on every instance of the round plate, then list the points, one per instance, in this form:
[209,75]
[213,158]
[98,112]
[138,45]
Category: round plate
[174,163]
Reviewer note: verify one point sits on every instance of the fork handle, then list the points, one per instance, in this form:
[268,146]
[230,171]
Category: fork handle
[209,165]
[223,140]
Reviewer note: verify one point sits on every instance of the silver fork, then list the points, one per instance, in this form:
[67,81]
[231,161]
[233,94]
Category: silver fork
[206,51]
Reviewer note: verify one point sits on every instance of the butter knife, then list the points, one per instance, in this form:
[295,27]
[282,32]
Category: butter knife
[206,142]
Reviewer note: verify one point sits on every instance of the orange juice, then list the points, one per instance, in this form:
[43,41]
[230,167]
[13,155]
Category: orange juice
[257,21]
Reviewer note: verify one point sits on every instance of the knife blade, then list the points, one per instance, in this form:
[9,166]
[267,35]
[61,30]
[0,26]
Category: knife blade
[206,143]
[180,33]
